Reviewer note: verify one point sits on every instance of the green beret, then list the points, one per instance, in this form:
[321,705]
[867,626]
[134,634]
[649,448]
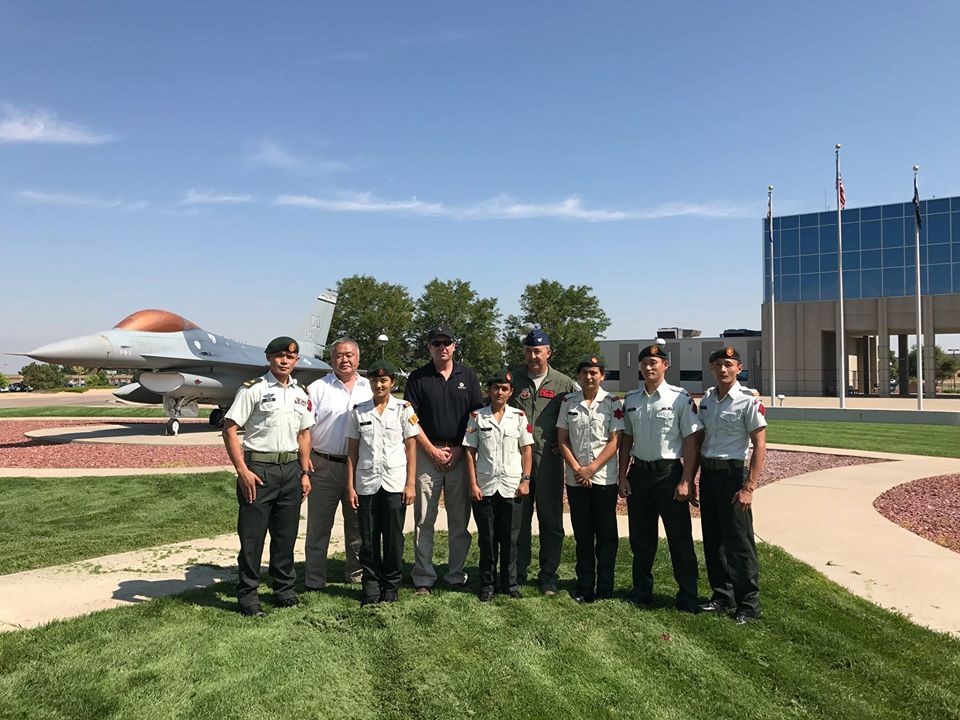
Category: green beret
[724,353]
[654,350]
[501,377]
[382,368]
[282,344]
[589,361]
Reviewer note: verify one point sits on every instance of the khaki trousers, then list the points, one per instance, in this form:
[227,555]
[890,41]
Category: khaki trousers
[328,490]
[456,499]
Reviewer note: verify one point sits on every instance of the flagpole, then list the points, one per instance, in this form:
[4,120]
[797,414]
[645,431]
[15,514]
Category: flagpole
[773,313]
[841,335]
[916,239]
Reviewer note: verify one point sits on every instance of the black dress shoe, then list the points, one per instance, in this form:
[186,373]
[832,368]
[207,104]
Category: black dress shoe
[309,589]
[641,601]
[688,608]
[389,596]
[603,595]
[581,596]
[369,600]
[287,602]
[714,606]
[515,594]
[742,618]
[485,595]
[253,611]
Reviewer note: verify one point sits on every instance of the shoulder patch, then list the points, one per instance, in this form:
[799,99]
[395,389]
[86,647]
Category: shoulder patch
[251,383]
[406,404]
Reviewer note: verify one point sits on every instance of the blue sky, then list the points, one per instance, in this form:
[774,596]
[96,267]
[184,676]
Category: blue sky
[227,161]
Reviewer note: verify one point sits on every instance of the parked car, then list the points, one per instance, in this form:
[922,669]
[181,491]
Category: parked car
[20,387]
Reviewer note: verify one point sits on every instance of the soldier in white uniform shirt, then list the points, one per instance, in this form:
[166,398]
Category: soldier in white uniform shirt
[499,445]
[273,473]
[332,397]
[588,431]
[658,463]
[733,418]
[381,477]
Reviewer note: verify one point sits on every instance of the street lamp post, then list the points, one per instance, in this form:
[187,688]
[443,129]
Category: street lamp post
[383,340]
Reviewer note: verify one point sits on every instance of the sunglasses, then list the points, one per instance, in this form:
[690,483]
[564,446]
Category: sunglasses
[441,343]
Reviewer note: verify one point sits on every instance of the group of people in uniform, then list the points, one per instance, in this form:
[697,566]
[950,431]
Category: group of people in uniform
[517,445]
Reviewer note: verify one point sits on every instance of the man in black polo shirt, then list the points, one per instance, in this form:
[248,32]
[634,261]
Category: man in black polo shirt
[443,393]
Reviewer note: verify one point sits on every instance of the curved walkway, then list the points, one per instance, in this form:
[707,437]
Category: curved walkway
[825,518]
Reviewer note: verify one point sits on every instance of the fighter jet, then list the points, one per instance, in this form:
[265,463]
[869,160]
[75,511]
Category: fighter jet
[181,363]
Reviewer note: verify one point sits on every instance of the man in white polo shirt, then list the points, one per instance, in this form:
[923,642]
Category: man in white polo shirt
[332,397]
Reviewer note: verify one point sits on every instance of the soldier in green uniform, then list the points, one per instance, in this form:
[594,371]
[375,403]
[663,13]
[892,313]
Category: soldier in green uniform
[539,391]
[273,473]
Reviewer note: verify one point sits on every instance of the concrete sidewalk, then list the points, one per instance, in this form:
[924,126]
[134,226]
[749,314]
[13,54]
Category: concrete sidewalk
[825,518]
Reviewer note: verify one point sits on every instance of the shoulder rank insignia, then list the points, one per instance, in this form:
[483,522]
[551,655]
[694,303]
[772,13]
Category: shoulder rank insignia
[251,383]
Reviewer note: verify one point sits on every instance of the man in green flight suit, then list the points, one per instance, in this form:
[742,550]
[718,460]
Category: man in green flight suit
[539,391]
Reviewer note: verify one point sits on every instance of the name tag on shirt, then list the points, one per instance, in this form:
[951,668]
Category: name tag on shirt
[547,393]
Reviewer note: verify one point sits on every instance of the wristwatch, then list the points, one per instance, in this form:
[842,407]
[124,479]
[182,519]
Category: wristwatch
[524,477]
[304,472]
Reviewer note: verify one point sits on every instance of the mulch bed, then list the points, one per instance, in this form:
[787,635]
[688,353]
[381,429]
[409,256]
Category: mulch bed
[18,451]
[927,507]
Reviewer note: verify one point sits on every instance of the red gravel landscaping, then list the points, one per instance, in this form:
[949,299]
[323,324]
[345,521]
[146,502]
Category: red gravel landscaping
[927,507]
[18,451]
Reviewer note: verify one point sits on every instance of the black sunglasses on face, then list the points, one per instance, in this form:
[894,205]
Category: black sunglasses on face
[441,343]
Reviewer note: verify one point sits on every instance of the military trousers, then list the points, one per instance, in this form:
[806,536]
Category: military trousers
[381,518]
[593,514]
[729,546]
[498,526]
[456,499]
[328,492]
[277,509]
[546,494]
[652,485]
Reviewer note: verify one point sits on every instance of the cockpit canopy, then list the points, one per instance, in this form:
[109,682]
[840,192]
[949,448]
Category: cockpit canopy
[155,321]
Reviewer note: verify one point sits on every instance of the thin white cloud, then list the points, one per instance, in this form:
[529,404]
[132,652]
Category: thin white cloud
[81,200]
[503,207]
[272,154]
[209,197]
[40,126]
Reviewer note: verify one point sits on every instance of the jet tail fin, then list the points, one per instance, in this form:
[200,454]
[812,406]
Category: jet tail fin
[315,335]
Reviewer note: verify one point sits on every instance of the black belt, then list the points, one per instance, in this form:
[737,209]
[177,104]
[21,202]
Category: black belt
[331,458]
[654,464]
[721,464]
[275,458]
[445,443]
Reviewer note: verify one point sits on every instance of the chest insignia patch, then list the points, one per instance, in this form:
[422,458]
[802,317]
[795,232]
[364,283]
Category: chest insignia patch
[525,394]
[269,397]
[544,393]
[461,386]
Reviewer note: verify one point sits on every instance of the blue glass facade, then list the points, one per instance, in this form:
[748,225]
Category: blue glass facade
[878,252]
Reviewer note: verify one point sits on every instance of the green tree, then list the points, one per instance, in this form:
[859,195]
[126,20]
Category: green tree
[42,376]
[474,319]
[946,365]
[3,381]
[97,377]
[570,315]
[366,309]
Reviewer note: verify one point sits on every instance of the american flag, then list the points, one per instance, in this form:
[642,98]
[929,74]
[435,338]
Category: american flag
[843,195]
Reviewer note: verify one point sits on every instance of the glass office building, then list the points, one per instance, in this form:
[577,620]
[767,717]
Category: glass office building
[879,294]
[879,257]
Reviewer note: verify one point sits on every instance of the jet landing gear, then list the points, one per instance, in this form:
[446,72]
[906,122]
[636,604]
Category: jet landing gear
[172,427]
[217,416]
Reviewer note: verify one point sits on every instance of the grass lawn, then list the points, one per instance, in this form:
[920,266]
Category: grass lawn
[81,411]
[820,652]
[935,440]
[59,520]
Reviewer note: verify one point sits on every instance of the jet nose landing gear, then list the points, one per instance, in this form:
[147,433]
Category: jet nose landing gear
[172,427]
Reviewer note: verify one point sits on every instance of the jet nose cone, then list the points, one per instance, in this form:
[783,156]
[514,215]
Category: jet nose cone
[84,350]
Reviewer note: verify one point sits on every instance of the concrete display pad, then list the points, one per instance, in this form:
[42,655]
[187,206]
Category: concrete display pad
[130,433]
